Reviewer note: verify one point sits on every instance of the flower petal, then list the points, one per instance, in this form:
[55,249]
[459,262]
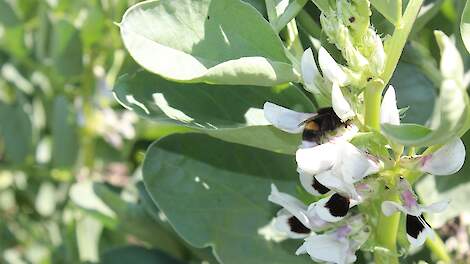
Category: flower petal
[285,119]
[389,113]
[417,230]
[316,159]
[309,70]
[327,248]
[341,106]
[337,183]
[354,164]
[435,207]
[333,208]
[291,204]
[389,208]
[312,185]
[447,160]
[331,70]
[289,225]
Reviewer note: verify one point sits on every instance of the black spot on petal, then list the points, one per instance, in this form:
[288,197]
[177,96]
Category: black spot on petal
[338,205]
[414,226]
[296,226]
[322,189]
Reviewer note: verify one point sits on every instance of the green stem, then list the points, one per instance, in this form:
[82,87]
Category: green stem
[308,24]
[372,99]
[438,248]
[387,229]
[394,47]
[292,10]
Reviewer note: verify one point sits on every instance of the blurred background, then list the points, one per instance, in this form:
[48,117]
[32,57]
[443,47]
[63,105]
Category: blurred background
[70,155]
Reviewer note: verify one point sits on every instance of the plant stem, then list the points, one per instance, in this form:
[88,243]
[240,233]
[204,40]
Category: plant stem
[292,10]
[387,229]
[394,47]
[438,248]
[372,99]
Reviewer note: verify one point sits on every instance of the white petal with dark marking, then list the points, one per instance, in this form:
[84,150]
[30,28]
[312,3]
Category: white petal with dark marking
[333,208]
[291,204]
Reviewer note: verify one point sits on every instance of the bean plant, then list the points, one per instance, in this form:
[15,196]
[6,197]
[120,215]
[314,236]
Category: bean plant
[233,131]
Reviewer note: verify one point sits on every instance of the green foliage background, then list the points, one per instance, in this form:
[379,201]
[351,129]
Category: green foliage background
[72,166]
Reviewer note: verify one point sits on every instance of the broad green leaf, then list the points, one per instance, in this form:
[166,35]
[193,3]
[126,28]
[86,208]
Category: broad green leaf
[16,132]
[66,48]
[465,26]
[213,41]
[135,219]
[137,255]
[232,113]
[65,142]
[215,194]
[407,134]
[414,90]
[390,9]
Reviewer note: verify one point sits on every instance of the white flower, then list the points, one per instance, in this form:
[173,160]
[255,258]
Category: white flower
[294,122]
[338,246]
[341,106]
[336,165]
[389,113]
[294,219]
[285,119]
[309,71]
[417,228]
[331,70]
[446,161]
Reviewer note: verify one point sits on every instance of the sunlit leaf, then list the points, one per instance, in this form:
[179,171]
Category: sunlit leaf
[390,9]
[232,113]
[215,194]
[214,41]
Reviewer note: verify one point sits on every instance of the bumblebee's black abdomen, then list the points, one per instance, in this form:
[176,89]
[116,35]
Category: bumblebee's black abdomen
[310,134]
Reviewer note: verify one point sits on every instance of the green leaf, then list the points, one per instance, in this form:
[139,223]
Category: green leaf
[66,48]
[16,130]
[215,194]
[135,219]
[213,41]
[406,134]
[465,26]
[137,255]
[231,113]
[414,90]
[390,9]
[65,142]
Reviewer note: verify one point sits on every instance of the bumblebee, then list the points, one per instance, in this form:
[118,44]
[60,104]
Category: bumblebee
[317,126]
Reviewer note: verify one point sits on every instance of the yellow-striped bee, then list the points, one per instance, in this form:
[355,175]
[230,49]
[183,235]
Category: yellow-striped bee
[317,126]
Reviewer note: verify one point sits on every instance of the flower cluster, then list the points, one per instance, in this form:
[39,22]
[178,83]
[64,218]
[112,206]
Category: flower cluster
[336,171]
